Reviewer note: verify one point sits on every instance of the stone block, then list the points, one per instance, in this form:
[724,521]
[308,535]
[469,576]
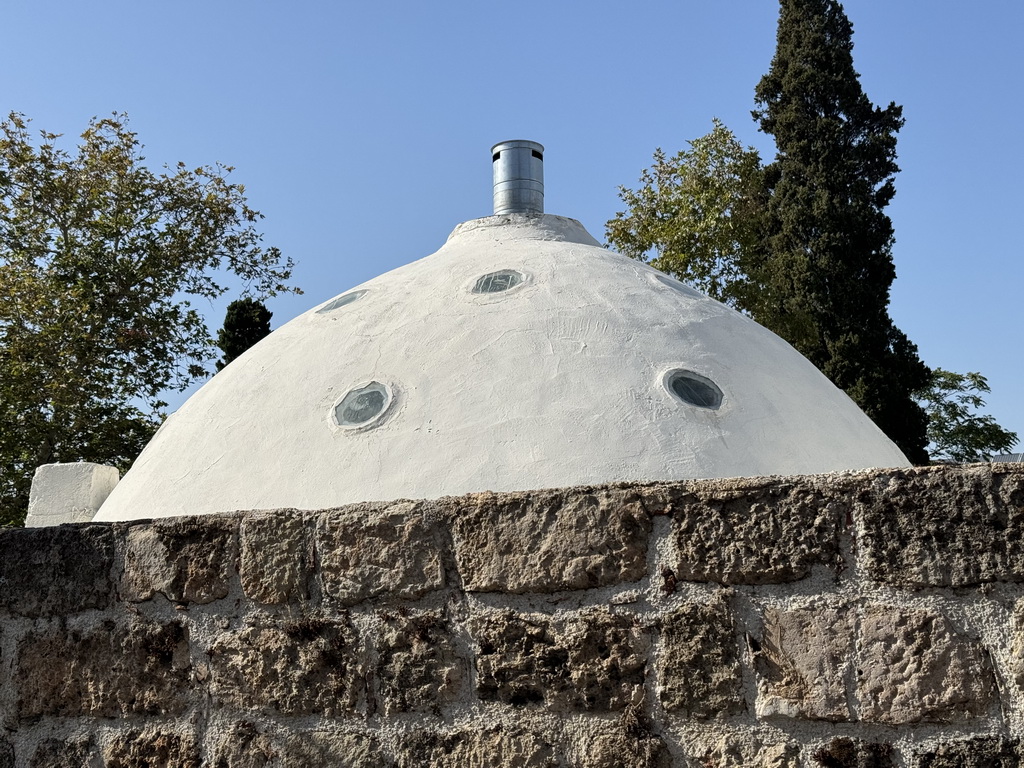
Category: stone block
[311,666]
[187,559]
[547,541]
[419,668]
[746,751]
[337,750]
[56,571]
[627,744]
[485,748]
[367,552]
[698,662]
[273,562]
[68,493]
[985,752]
[152,747]
[6,754]
[853,753]
[801,663]
[593,661]
[112,670]
[245,746]
[913,666]
[75,752]
[755,531]
[943,526]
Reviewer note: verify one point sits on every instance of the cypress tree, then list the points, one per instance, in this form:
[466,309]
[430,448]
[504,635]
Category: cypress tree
[246,322]
[827,257]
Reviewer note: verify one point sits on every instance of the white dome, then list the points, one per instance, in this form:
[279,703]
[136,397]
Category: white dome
[418,385]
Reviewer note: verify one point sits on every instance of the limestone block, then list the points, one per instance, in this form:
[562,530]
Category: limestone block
[56,571]
[74,752]
[137,667]
[547,541]
[1016,661]
[628,744]
[273,563]
[801,663]
[913,666]
[972,753]
[593,661]
[853,753]
[366,553]
[490,748]
[244,746]
[187,559]
[943,526]
[419,668]
[698,662]
[311,666]
[337,750]
[747,751]
[755,531]
[68,493]
[152,747]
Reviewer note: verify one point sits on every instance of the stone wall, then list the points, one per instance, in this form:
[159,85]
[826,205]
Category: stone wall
[869,619]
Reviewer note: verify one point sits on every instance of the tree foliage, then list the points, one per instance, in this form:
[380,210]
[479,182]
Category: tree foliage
[696,211]
[246,321]
[956,432]
[99,257]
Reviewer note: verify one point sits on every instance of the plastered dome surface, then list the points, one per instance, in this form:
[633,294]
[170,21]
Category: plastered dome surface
[520,355]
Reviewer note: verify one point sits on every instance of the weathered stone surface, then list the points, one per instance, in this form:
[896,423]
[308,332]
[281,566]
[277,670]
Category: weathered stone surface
[853,753]
[801,663]
[187,559]
[490,748]
[311,666]
[152,748]
[972,753]
[1016,660]
[338,750]
[366,553]
[75,752]
[116,669]
[56,571]
[628,744]
[943,526]
[273,559]
[914,666]
[419,668]
[546,541]
[698,664]
[593,661]
[245,746]
[746,752]
[755,531]
[6,754]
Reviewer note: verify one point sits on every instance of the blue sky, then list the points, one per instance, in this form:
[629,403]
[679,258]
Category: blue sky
[362,130]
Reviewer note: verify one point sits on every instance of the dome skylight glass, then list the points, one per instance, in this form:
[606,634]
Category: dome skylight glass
[362,406]
[496,282]
[693,389]
[341,301]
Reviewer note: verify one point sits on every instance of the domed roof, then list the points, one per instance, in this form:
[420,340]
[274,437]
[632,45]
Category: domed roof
[521,355]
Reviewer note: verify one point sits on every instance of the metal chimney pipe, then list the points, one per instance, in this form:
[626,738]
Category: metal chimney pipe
[518,177]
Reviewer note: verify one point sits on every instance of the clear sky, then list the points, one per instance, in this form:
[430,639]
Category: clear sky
[362,130]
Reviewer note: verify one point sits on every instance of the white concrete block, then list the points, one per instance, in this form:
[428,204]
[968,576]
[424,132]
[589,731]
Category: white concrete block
[68,493]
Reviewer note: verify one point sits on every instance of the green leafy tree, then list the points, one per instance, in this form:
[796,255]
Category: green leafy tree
[247,321]
[99,257]
[956,432]
[827,267]
[695,215]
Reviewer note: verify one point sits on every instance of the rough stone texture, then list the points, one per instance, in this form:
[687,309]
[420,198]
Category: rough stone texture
[116,669]
[801,662]
[490,748]
[187,559]
[56,571]
[310,666]
[592,661]
[749,752]
[956,527]
[244,746]
[853,753]
[755,531]
[419,668]
[6,754]
[152,748]
[914,666]
[1016,665]
[63,753]
[390,551]
[698,667]
[972,753]
[338,750]
[273,562]
[547,541]
[629,744]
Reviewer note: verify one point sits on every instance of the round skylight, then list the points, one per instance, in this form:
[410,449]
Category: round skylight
[341,301]
[362,406]
[693,389]
[496,282]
